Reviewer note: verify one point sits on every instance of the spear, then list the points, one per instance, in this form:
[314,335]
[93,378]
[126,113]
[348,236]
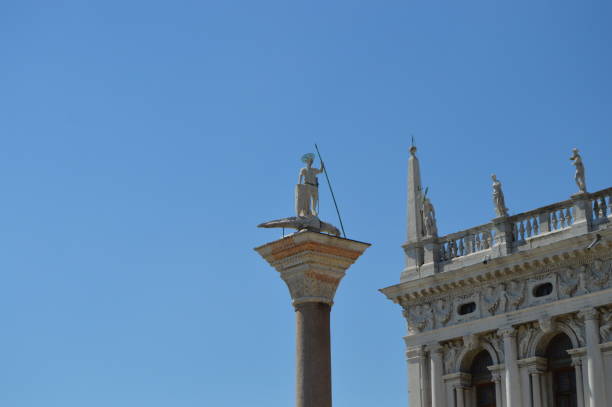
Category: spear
[330,190]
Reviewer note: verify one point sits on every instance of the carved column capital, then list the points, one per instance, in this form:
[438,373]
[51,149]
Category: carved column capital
[312,264]
[589,314]
[576,361]
[435,349]
[507,332]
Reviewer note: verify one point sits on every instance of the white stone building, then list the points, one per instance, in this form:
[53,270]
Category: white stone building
[516,312]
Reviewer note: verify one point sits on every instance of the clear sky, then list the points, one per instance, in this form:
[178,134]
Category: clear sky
[143,141]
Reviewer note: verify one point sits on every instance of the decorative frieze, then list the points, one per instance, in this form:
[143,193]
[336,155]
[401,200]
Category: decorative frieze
[482,299]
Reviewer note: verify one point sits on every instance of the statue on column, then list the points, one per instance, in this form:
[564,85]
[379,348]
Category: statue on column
[498,197]
[579,176]
[307,188]
[306,203]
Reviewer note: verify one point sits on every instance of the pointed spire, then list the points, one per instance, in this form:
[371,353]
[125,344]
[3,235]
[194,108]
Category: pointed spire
[415,198]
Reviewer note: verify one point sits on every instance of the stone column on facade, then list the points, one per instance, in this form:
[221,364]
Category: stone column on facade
[460,396]
[595,366]
[437,385]
[577,363]
[312,265]
[513,384]
[415,357]
[498,389]
[536,385]
[497,376]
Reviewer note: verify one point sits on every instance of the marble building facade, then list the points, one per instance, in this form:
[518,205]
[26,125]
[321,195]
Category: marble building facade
[516,312]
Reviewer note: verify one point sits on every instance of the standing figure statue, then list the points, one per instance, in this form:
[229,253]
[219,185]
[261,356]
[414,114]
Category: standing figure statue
[307,189]
[429,218]
[498,197]
[579,177]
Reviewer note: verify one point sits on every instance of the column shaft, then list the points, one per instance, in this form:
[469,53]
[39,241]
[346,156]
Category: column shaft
[536,386]
[313,362]
[437,386]
[513,384]
[498,392]
[460,396]
[579,384]
[594,360]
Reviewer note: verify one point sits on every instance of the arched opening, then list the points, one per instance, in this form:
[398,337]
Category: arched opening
[562,372]
[482,380]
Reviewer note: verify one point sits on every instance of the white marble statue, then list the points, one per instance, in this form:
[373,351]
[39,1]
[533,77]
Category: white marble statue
[306,203]
[429,218]
[498,197]
[307,190]
[579,177]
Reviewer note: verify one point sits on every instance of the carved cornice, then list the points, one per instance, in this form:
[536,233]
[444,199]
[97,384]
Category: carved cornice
[566,279]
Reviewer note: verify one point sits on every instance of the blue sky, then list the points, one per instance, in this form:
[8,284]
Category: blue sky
[143,141]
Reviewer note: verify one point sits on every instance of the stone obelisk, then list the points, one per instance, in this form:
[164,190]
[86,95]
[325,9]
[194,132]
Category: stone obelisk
[312,264]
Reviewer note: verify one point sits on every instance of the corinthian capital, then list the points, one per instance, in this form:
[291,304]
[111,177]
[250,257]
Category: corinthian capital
[589,314]
[507,332]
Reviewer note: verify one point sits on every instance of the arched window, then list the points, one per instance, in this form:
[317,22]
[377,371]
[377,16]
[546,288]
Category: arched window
[562,372]
[482,380]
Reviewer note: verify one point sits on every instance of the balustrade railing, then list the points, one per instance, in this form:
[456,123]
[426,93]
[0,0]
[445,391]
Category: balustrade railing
[466,242]
[526,225]
[601,204]
[542,220]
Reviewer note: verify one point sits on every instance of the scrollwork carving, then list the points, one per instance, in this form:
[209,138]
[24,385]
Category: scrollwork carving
[491,299]
[605,328]
[516,293]
[568,282]
[419,317]
[600,273]
[525,335]
[451,351]
[442,311]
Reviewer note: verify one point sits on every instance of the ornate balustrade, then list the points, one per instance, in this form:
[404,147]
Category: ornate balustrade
[601,205]
[556,217]
[467,242]
[549,218]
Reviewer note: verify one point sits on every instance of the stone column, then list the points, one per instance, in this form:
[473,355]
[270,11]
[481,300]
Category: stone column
[577,363]
[496,375]
[416,371]
[498,389]
[513,384]
[437,385]
[460,395]
[536,385]
[595,366]
[312,265]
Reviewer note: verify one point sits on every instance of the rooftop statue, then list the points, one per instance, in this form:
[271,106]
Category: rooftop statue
[429,217]
[579,177]
[498,197]
[306,203]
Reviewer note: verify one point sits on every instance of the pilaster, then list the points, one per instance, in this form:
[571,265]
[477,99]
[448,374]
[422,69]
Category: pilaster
[595,366]
[512,379]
